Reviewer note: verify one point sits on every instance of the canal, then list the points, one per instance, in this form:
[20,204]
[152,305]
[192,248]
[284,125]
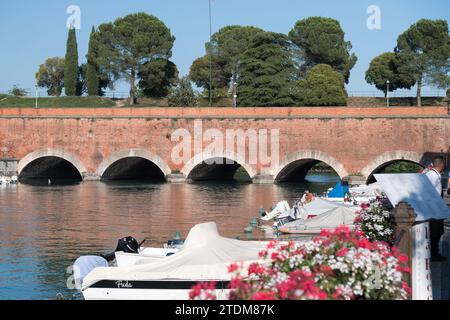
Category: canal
[44,228]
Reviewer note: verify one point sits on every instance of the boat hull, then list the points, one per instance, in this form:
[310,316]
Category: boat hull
[148,290]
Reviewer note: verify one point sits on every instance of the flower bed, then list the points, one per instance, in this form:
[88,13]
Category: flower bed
[340,264]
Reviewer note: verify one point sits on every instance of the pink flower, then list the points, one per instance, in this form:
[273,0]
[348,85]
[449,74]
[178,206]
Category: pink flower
[203,288]
[256,269]
[342,252]
[233,268]
[264,296]
[364,206]
[403,258]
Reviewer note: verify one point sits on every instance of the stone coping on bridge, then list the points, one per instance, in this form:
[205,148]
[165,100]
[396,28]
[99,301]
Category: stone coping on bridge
[226,112]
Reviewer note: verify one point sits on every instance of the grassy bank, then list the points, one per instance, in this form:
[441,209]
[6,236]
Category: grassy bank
[55,102]
[96,102]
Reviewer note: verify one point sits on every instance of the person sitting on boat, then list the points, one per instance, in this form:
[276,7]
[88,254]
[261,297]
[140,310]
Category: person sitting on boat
[307,197]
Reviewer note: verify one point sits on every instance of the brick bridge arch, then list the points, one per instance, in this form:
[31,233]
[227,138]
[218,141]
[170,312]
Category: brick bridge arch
[133,153]
[390,157]
[208,155]
[50,152]
[304,155]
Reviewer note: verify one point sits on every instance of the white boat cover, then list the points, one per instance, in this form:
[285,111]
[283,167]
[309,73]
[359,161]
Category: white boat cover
[205,256]
[372,190]
[328,220]
[315,208]
[320,206]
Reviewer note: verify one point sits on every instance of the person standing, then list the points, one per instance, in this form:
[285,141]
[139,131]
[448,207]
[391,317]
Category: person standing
[434,174]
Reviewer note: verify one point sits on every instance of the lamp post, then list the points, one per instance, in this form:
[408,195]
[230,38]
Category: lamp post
[210,56]
[235,94]
[387,92]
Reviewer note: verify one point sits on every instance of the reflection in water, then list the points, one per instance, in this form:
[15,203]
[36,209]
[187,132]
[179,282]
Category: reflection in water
[44,228]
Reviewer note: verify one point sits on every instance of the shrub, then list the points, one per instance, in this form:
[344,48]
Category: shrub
[17,91]
[322,86]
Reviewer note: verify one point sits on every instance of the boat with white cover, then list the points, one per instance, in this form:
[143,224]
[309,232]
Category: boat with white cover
[331,219]
[205,257]
[284,214]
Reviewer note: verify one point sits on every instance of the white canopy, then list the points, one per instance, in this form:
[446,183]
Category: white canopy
[328,220]
[416,190]
[205,256]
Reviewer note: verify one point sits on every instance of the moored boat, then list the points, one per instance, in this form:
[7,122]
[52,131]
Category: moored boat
[205,257]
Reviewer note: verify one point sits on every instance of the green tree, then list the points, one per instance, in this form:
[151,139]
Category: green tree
[385,68]
[18,91]
[157,77]
[92,77]
[200,73]
[266,72]
[71,64]
[51,76]
[322,41]
[424,52]
[83,82]
[322,86]
[229,45]
[125,46]
[182,95]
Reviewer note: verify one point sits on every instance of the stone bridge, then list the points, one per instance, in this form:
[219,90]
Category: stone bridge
[94,144]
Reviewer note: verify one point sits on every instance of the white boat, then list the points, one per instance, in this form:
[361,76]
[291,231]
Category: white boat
[279,209]
[205,257]
[331,219]
[284,214]
[4,181]
[145,255]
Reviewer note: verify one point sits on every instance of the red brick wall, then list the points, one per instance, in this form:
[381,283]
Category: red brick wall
[353,141]
[229,112]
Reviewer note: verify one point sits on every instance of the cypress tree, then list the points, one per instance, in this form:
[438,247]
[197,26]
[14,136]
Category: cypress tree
[71,67]
[92,79]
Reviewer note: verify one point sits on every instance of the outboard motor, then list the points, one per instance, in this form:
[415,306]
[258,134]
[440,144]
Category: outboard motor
[127,245]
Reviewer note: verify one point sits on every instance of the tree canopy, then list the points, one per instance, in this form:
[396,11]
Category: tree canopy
[157,77]
[128,44]
[385,67]
[322,86]
[71,64]
[200,73]
[92,77]
[228,45]
[322,41]
[182,95]
[267,71]
[51,76]
[424,52]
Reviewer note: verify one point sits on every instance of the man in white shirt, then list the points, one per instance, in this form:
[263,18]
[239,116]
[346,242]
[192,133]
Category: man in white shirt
[435,177]
[434,174]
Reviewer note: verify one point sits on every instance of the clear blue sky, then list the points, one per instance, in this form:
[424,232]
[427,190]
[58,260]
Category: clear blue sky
[31,31]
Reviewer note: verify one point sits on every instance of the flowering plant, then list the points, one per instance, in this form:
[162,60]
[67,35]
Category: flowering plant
[340,264]
[375,221]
